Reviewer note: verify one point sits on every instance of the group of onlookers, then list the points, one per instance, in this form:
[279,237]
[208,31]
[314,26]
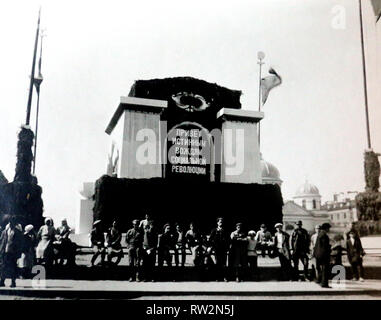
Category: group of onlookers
[221,253]
[21,249]
[226,253]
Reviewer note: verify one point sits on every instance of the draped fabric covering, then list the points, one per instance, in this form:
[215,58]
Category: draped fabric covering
[186,201]
[22,197]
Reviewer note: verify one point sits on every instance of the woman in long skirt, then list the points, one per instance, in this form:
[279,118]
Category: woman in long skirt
[46,237]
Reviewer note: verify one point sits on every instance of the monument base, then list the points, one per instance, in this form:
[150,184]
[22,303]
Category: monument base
[368,205]
[187,201]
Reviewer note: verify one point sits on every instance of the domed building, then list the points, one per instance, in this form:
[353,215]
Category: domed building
[270,173]
[305,207]
[308,196]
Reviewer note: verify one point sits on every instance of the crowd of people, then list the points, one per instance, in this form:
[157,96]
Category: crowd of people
[222,254]
[21,249]
[226,254]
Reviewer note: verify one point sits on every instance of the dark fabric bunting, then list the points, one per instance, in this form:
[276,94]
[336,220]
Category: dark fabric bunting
[186,201]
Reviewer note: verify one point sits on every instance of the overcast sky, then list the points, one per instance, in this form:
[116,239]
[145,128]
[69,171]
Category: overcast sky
[314,122]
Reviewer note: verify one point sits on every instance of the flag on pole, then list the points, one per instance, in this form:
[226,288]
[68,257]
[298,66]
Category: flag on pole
[377,8]
[268,83]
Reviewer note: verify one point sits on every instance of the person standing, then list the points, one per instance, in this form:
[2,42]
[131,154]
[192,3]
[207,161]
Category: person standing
[355,253]
[193,239]
[11,244]
[113,240]
[219,240]
[322,253]
[149,251]
[46,237]
[252,257]
[238,251]
[166,243]
[134,241]
[264,240]
[337,250]
[143,223]
[28,256]
[179,246]
[300,246]
[97,239]
[312,248]
[282,247]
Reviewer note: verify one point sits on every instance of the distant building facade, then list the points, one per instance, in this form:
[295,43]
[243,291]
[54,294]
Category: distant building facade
[306,207]
[342,211]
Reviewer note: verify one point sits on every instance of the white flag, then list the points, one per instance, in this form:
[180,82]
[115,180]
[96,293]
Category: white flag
[268,83]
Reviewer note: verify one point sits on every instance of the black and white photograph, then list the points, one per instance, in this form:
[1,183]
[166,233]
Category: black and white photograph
[165,150]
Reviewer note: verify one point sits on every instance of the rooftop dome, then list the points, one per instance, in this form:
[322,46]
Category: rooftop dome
[270,173]
[307,189]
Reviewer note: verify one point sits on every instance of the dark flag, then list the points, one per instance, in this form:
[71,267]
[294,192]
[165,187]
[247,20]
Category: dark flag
[268,83]
[377,8]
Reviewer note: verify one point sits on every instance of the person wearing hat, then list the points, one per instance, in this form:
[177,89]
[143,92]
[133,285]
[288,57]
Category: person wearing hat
[65,247]
[219,240]
[26,261]
[252,257]
[166,243]
[238,251]
[97,239]
[113,240]
[300,248]
[179,246]
[134,241]
[264,240]
[149,251]
[46,237]
[193,239]
[11,244]
[322,253]
[282,248]
[355,253]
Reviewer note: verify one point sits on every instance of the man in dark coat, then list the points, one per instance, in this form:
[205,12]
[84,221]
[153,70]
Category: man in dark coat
[238,251]
[149,251]
[166,243]
[113,239]
[282,248]
[134,241]
[300,243]
[322,253]
[97,239]
[355,254]
[179,246]
[219,240]
[11,245]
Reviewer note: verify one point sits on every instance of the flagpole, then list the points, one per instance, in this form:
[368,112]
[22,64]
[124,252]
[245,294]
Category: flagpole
[364,77]
[261,56]
[37,83]
[32,73]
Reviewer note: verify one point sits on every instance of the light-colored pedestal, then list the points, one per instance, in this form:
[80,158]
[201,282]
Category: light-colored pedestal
[240,149]
[137,121]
